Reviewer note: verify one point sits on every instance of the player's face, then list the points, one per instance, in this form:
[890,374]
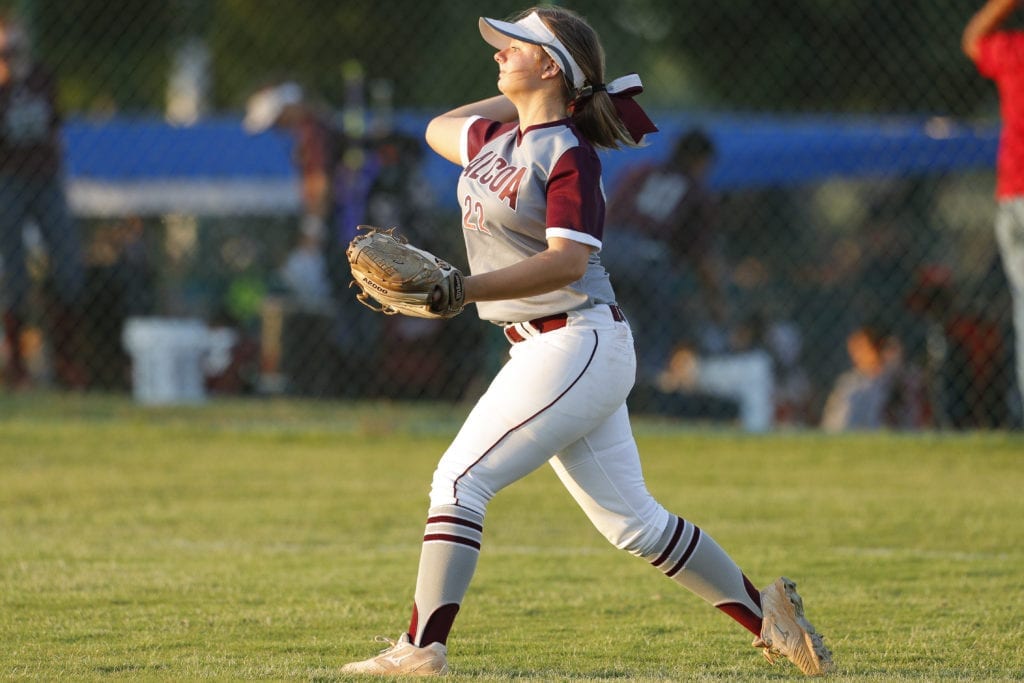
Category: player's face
[520,66]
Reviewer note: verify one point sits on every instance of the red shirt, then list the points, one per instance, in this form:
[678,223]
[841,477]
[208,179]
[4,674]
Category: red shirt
[1001,58]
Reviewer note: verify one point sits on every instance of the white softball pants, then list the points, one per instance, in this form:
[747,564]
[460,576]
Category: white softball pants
[1010,237]
[561,398]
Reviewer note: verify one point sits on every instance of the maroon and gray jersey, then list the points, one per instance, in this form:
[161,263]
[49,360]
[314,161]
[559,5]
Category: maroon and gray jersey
[519,188]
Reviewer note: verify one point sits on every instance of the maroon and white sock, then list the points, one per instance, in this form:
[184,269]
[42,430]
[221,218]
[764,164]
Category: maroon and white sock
[695,561]
[451,546]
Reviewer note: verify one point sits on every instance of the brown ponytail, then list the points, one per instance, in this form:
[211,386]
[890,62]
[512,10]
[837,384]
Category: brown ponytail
[592,111]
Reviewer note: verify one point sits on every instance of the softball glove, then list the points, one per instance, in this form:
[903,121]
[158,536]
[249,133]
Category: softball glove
[395,277]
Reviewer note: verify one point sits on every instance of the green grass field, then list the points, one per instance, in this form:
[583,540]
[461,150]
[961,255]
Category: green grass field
[273,539]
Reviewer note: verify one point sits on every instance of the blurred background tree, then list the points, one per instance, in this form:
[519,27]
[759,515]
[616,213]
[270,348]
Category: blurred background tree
[825,55]
[111,56]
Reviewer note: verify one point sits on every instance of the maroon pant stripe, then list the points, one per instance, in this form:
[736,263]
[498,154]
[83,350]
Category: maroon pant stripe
[455,484]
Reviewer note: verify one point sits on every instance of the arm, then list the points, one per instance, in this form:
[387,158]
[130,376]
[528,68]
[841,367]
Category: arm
[443,131]
[312,159]
[986,20]
[561,264]
[316,196]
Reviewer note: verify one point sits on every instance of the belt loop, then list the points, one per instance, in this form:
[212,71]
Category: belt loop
[513,335]
[517,332]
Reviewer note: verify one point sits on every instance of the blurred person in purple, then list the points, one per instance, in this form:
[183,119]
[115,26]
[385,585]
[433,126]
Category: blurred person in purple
[335,172]
[346,179]
[314,155]
[32,189]
[998,53]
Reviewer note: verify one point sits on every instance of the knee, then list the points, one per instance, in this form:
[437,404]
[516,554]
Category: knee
[635,536]
[464,490]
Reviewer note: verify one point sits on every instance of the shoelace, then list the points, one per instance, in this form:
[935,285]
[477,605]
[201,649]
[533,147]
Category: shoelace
[767,651]
[392,644]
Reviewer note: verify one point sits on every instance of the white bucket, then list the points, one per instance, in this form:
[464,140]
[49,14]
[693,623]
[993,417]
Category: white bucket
[167,359]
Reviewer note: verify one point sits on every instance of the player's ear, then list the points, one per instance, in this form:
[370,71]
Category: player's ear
[551,69]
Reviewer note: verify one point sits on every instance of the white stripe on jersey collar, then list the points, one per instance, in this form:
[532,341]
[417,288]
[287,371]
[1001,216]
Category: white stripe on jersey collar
[532,29]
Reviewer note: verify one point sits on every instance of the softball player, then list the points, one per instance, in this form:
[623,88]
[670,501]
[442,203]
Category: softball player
[532,217]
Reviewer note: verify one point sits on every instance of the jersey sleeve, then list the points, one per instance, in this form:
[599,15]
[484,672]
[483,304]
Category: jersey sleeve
[477,133]
[575,196]
[999,53]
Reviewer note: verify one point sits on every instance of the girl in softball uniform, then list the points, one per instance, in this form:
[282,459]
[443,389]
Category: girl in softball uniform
[533,209]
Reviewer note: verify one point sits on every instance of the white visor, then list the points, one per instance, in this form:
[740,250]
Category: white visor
[265,107]
[532,29]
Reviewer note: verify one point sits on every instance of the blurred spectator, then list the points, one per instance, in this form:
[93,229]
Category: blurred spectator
[662,222]
[318,145]
[120,284]
[784,340]
[399,194]
[877,392]
[304,272]
[231,362]
[743,378]
[997,55]
[318,318]
[347,180]
[888,252]
[31,189]
[967,359]
[308,359]
[737,383]
[677,391]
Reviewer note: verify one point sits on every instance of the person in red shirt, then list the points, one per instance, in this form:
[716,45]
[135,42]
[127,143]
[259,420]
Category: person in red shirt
[998,54]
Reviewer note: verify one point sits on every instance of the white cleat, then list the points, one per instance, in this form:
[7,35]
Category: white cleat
[403,659]
[785,631]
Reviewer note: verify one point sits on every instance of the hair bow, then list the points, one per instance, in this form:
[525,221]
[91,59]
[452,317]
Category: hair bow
[622,90]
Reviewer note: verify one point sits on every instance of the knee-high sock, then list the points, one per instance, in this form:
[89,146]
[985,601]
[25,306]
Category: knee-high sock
[451,546]
[695,561]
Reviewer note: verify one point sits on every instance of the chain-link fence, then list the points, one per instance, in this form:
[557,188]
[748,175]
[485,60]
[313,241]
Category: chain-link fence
[216,156]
